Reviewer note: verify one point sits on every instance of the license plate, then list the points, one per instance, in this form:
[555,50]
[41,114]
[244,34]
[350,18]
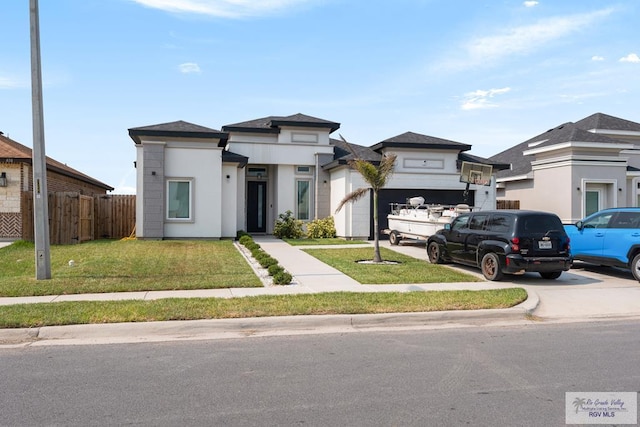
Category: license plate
[544,244]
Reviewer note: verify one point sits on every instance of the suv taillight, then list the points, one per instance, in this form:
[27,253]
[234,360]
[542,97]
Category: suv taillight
[515,244]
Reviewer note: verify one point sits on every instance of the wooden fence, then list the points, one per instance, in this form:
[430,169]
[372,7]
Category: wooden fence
[508,204]
[75,218]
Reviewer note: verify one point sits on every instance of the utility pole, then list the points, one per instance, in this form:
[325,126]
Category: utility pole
[40,194]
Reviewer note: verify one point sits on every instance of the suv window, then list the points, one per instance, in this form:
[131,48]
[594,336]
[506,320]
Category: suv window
[599,221]
[540,224]
[477,222]
[460,223]
[625,220]
[500,223]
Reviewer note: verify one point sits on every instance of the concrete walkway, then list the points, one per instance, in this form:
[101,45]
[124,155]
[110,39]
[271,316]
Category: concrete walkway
[580,294]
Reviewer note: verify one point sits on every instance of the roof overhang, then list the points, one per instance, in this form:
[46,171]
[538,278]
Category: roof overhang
[138,134]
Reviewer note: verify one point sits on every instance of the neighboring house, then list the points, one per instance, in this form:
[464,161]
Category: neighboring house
[197,182]
[16,177]
[575,169]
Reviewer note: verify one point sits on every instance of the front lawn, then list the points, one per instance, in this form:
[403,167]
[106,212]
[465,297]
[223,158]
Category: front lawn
[125,266]
[408,269]
[68,313]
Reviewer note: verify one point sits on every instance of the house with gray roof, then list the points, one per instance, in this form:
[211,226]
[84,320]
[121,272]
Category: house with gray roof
[198,182]
[574,169]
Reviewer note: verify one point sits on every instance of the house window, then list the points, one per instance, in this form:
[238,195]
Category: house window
[592,202]
[257,171]
[303,198]
[179,198]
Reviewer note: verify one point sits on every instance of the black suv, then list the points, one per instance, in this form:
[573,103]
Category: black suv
[504,241]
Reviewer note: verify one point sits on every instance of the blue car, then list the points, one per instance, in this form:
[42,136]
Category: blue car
[609,237]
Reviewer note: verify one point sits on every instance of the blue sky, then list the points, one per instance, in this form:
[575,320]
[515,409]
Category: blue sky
[487,73]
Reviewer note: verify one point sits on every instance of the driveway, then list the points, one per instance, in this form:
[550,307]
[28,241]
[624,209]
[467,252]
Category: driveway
[585,291]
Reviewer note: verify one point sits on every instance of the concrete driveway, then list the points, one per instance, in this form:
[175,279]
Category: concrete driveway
[585,291]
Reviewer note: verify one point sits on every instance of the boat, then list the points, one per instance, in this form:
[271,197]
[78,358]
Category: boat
[417,220]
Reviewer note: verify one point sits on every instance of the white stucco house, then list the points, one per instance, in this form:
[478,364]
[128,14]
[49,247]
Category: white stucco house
[198,182]
[574,169]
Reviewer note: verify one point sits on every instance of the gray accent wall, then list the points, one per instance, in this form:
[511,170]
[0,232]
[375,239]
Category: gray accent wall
[153,189]
[323,187]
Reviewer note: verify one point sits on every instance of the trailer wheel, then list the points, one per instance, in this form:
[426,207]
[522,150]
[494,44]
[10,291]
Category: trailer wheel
[394,238]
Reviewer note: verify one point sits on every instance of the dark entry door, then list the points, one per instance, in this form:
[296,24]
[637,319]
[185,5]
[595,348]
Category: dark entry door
[257,207]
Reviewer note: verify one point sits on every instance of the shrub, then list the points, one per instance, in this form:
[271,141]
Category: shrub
[245,239]
[252,245]
[267,261]
[275,269]
[258,254]
[282,278]
[287,227]
[241,233]
[321,228]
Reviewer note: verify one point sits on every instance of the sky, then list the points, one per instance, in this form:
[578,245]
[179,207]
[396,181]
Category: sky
[489,73]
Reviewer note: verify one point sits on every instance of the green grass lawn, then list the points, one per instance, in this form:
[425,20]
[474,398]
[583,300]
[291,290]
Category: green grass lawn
[67,313]
[131,265]
[126,265]
[408,269]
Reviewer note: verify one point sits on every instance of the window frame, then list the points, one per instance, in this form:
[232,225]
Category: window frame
[190,217]
[309,201]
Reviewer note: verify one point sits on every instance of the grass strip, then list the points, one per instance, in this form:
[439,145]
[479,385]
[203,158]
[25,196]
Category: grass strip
[126,265]
[407,269]
[96,312]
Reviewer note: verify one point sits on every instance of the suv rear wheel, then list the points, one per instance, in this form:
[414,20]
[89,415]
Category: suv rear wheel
[490,266]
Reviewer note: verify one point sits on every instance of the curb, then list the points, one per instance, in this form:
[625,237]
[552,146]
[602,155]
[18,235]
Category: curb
[184,330]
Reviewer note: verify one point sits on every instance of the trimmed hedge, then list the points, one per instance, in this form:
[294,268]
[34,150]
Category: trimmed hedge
[276,271]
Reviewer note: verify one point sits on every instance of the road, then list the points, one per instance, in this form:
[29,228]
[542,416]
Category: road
[480,376]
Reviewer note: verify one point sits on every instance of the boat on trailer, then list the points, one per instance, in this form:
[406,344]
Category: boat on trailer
[417,220]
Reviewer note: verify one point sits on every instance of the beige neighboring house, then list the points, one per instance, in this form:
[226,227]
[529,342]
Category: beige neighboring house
[16,177]
[574,169]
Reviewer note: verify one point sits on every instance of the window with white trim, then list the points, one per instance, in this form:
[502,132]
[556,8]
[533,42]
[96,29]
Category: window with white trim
[179,199]
[303,199]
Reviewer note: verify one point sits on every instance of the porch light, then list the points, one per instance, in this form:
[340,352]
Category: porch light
[3,179]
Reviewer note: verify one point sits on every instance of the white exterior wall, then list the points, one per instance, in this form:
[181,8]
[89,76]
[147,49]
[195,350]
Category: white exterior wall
[285,195]
[353,220]
[280,149]
[199,163]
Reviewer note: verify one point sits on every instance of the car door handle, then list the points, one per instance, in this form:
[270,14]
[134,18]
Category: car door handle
[599,235]
[635,235]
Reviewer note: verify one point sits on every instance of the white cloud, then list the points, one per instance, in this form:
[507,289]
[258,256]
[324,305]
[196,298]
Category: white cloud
[527,38]
[480,99]
[597,58]
[221,8]
[7,83]
[632,57]
[530,3]
[189,68]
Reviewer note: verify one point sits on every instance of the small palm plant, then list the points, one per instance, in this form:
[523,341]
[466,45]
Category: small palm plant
[377,178]
[578,402]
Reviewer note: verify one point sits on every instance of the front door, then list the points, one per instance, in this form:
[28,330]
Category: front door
[257,207]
